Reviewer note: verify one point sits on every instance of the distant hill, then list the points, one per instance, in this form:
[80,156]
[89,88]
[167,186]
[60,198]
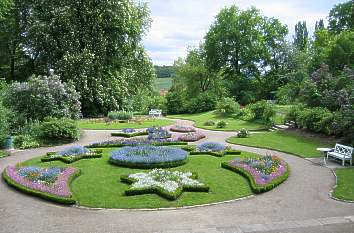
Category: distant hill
[163,83]
[164,71]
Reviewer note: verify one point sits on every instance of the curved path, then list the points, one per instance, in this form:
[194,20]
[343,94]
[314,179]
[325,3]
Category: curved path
[301,204]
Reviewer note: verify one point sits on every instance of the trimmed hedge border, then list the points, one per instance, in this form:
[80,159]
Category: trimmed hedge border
[43,195]
[72,159]
[170,196]
[216,154]
[255,187]
[150,165]
[153,144]
[129,135]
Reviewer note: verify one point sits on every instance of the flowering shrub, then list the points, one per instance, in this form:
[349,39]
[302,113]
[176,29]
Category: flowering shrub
[136,142]
[146,156]
[264,173]
[210,146]
[49,183]
[191,137]
[168,184]
[182,129]
[243,134]
[221,124]
[157,133]
[72,154]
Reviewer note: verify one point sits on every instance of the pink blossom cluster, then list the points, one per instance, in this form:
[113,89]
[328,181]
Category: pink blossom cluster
[59,188]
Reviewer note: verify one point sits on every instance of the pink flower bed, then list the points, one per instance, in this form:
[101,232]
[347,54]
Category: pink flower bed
[182,129]
[59,188]
[191,137]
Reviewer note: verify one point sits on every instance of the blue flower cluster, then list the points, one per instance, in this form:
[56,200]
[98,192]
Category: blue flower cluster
[210,146]
[74,151]
[128,130]
[157,133]
[147,154]
[36,174]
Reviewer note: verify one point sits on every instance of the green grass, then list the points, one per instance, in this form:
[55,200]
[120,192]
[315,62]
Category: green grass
[163,83]
[281,111]
[89,124]
[345,184]
[3,153]
[284,141]
[232,123]
[100,185]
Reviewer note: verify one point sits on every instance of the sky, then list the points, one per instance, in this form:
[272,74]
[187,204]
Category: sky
[179,24]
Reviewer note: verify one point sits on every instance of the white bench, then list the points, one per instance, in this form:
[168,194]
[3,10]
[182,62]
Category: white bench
[155,113]
[341,152]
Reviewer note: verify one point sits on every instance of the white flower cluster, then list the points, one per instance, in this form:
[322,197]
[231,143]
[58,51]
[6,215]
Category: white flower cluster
[165,179]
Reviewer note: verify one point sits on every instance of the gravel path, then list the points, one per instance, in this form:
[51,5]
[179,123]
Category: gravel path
[301,204]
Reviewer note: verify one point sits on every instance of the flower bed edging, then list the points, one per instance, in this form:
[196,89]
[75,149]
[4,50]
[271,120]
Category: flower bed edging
[256,188]
[47,196]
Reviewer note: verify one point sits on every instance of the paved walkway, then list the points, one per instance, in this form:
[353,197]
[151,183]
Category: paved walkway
[301,204]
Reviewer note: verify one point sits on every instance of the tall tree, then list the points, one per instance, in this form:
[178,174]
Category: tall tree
[245,46]
[96,44]
[301,36]
[319,25]
[341,17]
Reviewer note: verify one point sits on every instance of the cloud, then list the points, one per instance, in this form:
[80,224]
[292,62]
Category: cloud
[180,24]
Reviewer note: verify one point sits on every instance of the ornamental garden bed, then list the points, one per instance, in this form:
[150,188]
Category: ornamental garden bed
[191,137]
[129,133]
[182,129]
[72,154]
[100,183]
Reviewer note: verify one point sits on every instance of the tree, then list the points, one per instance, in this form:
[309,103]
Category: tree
[96,44]
[341,17]
[341,53]
[301,36]
[319,25]
[246,47]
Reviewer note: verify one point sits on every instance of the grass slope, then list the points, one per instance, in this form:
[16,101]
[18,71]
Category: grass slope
[89,124]
[232,123]
[100,185]
[163,83]
[345,184]
[285,141]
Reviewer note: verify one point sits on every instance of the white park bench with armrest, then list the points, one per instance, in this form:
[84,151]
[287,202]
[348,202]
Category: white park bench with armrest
[155,113]
[341,152]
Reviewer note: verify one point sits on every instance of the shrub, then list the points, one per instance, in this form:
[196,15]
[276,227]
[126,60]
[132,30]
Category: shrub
[221,124]
[175,102]
[43,97]
[120,115]
[53,129]
[262,110]
[209,123]
[243,134]
[25,142]
[228,106]
[202,103]
[247,114]
[147,156]
[4,125]
[315,119]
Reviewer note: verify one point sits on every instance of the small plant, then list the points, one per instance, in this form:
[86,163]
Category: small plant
[120,115]
[243,133]
[221,125]
[209,123]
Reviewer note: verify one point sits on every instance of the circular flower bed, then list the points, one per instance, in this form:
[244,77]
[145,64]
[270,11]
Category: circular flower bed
[147,156]
[182,129]
[211,146]
[191,137]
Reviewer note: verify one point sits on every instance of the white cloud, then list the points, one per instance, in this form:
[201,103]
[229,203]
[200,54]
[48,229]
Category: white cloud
[178,24]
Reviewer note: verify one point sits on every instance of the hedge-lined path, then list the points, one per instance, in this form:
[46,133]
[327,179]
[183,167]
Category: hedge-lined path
[301,204]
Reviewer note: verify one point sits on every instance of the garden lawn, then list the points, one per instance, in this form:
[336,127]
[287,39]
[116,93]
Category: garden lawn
[91,124]
[345,184]
[285,141]
[100,185]
[232,123]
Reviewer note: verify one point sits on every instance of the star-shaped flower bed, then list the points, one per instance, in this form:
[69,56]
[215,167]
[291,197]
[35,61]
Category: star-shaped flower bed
[166,183]
[72,154]
[48,183]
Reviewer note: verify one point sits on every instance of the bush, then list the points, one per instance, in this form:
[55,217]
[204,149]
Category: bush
[262,110]
[209,123]
[203,103]
[25,142]
[120,115]
[4,127]
[221,124]
[228,106]
[175,103]
[53,129]
[243,134]
[247,114]
[43,97]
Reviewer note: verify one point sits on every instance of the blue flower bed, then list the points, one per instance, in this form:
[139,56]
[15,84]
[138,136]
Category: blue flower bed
[147,156]
[157,133]
[210,146]
[128,130]
[74,151]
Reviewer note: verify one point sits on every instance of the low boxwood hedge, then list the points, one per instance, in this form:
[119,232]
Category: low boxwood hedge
[71,159]
[129,135]
[43,195]
[255,187]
